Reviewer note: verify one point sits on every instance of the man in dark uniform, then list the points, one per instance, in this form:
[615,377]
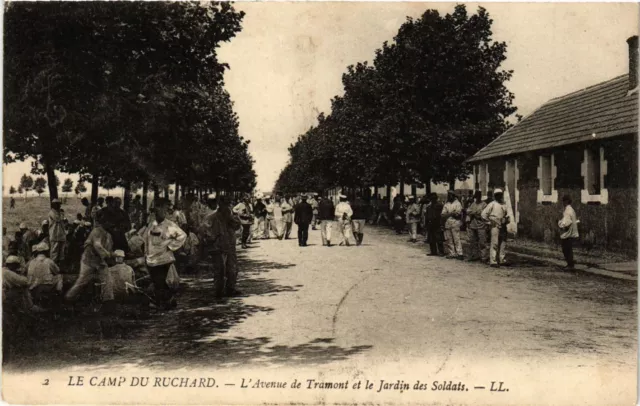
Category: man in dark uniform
[303,216]
[434,226]
[361,212]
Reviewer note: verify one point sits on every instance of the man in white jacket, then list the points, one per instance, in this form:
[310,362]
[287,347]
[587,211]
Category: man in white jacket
[452,216]
[496,215]
[343,219]
[569,227]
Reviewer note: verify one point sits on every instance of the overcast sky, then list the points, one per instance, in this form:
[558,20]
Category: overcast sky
[287,62]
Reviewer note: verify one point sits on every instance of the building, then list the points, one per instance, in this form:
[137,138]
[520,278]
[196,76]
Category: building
[584,145]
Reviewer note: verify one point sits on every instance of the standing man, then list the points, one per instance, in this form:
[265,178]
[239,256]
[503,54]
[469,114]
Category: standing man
[326,212]
[122,224]
[314,206]
[260,213]
[452,215]
[276,223]
[244,211]
[361,212]
[343,215]
[161,238]
[218,239]
[287,217]
[268,221]
[303,216]
[433,223]
[57,232]
[496,214]
[12,203]
[569,228]
[95,209]
[413,218]
[476,229]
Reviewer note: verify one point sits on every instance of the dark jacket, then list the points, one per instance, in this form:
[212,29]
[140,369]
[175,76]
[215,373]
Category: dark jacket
[326,210]
[360,210]
[259,209]
[433,215]
[303,213]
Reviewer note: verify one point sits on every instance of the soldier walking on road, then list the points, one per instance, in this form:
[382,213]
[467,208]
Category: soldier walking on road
[343,215]
[244,211]
[361,212]
[569,226]
[326,213]
[314,206]
[303,216]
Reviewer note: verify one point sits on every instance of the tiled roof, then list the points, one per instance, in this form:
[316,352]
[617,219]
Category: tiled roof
[606,110]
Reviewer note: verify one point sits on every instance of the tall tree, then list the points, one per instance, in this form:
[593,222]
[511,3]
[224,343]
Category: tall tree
[26,184]
[39,185]
[80,188]
[67,187]
[12,190]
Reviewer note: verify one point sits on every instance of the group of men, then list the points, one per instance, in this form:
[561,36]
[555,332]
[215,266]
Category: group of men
[485,222]
[114,258]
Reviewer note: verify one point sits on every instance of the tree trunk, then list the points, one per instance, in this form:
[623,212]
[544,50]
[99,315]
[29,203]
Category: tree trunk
[95,182]
[156,192]
[427,187]
[176,193]
[414,191]
[51,179]
[452,184]
[401,187]
[127,196]
[145,193]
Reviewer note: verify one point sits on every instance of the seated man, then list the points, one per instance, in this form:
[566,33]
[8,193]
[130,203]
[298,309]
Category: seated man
[121,278]
[43,275]
[15,288]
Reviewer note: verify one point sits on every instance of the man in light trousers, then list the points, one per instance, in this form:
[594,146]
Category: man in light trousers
[451,213]
[496,214]
[477,229]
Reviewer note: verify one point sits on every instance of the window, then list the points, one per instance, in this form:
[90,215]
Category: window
[546,177]
[482,178]
[593,170]
[592,177]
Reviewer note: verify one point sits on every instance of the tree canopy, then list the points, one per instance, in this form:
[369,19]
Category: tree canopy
[430,99]
[123,92]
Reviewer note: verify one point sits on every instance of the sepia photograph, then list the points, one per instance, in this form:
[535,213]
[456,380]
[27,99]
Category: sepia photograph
[320,203]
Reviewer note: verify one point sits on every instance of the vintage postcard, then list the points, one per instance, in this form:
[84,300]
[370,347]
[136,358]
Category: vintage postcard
[320,203]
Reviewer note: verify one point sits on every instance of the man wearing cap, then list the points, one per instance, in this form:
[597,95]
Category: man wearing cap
[43,274]
[218,238]
[452,216]
[303,216]
[287,217]
[244,211]
[326,214]
[314,206]
[121,277]
[57,232]
[413,218]
[477,229]
[343,215]
[161,238]
[496,215]
[93,265]
[568,224]
[359,218]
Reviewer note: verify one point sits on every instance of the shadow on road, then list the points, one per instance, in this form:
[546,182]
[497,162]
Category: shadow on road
[186,337]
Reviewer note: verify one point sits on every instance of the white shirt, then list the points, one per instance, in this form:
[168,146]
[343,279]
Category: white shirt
[160,240]
[495,212]
[569,223]
[452,208]
[343,208]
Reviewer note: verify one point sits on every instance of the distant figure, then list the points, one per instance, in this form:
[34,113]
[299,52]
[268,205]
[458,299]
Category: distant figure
[43,275]
[477,229]
[244,211]
[314,206]
[413,218]
[361,212]
[287,217]
[569,227]
[452,216]
[12,203]
[260,213]
[87,209]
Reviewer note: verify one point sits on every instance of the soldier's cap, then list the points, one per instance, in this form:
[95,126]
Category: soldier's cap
[212,196]
[412,197]
[12,259]
[343,197]
[304,197]
[45,222]
[42,247]
[259,195]
[496,191]
[119,253]
[23,226]
[55,201]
